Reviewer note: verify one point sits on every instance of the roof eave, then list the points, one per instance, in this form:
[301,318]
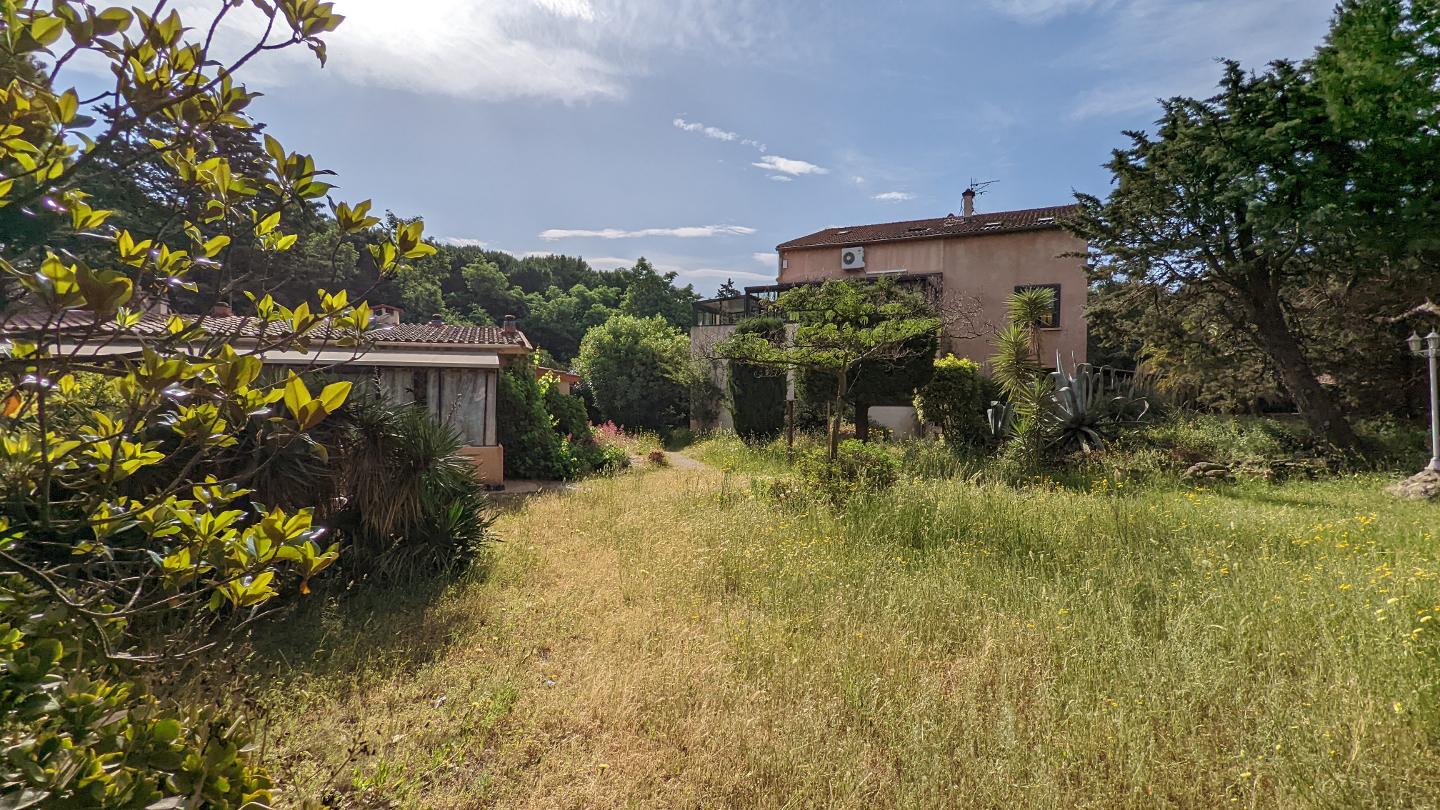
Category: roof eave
[792,244]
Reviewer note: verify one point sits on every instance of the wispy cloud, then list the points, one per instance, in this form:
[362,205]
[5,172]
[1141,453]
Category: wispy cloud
[715,132]
[692,232]
[1160,48]
[775,163]
[608,262]
[769,257]
[569,9]
[781,178]
[720,272]
[463,241]
[1036,11]
[893,196]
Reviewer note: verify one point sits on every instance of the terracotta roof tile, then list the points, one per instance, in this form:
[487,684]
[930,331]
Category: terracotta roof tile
[980,224]
[238,326]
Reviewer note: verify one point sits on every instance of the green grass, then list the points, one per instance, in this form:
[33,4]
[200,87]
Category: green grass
[667,639]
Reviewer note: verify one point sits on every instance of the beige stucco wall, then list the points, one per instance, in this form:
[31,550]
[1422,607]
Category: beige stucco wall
[702,340]
[489,463]
[987,268]
[900,420]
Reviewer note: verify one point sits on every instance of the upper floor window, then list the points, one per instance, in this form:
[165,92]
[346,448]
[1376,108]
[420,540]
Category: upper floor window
[1055,305]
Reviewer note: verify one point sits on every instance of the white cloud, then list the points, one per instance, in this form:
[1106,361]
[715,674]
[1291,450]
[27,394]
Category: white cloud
[720,272]
[716,133]
[569,9]
[781,178]
[1034,11]
[608,262]
[775,163]
[495,50]
[461,241]
[710,132]
[893,196]
[769,257]
[692,232]
[858,180]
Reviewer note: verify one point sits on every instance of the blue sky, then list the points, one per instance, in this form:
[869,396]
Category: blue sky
[701,133]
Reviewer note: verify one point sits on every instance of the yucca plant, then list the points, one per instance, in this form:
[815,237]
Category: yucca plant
[414,505]
[1031,310]
[1016,368]
[1077,411]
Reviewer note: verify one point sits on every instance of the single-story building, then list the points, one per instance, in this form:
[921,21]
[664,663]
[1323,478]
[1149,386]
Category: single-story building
[451,370]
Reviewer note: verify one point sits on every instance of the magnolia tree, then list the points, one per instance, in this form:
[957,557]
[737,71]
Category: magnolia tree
[127,533]
[838,328]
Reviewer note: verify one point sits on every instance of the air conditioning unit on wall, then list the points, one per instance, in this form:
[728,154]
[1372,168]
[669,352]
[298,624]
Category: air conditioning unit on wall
[852,258]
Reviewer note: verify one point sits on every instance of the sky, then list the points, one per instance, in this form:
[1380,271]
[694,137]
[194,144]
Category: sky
[701,133]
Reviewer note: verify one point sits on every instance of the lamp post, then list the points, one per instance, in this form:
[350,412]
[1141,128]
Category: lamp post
[1429,346]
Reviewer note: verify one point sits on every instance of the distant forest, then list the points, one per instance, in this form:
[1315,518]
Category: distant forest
[557,299]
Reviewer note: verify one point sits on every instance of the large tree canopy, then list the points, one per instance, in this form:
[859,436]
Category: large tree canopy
[1284,182]
[839,328]
[639,371]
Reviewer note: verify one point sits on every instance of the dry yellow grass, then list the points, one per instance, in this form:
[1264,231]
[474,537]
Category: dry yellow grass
[581,674]
[662,640]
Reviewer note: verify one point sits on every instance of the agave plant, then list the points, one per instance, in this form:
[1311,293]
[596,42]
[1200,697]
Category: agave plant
[1090,406]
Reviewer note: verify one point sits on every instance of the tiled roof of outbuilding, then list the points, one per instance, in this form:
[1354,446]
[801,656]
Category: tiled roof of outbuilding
[239,326]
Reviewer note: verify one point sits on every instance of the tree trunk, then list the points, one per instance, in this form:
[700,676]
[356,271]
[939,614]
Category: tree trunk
[837,414]
[862,421]
[790,430]
[1315,403]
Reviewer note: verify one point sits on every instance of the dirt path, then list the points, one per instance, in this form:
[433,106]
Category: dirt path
[680,461]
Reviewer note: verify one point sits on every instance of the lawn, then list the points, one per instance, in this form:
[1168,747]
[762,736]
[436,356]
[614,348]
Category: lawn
[665,639]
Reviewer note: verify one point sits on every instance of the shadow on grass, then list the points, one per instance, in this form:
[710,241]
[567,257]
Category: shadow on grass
[400,626]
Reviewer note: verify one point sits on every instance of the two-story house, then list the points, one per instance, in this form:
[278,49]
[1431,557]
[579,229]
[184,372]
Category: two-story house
[980,259]
[973,262]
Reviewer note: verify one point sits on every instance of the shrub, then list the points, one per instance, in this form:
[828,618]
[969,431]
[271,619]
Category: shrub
[533,446]
[858,467]
[639,370]
[571,420]
[129,533]
[955,399]
[79,732]
[567,411]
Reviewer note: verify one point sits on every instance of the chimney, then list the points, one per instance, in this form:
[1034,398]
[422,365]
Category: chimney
[969,196]
[387,315]
[437,320]
[221,309]
[509,327]
[153,304]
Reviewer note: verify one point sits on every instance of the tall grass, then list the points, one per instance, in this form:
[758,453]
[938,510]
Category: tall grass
[664,639]
[1048,647]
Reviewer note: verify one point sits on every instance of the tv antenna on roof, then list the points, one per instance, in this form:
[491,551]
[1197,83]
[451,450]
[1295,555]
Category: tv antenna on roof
[979,186]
